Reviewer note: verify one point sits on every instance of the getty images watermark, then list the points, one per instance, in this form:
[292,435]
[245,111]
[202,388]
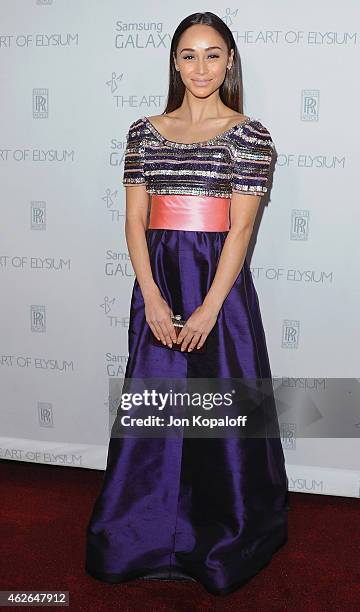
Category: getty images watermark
[161,401]
[235,407]
[195,407]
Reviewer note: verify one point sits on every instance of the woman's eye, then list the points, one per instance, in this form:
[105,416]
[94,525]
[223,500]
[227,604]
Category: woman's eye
[188,56]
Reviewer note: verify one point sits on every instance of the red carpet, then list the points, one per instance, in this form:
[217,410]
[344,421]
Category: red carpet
[44,511]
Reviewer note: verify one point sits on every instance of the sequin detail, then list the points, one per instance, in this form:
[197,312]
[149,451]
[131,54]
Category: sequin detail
[236,160]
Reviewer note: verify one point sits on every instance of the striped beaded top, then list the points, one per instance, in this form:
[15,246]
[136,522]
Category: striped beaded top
[237,160]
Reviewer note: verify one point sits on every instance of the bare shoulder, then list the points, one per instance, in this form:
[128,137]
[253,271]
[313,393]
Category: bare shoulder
[236,116]
[157,120]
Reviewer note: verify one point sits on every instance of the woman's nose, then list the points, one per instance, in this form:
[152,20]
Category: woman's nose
[201,67]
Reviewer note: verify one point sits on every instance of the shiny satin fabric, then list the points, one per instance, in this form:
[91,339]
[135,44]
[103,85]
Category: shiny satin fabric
[188,212]
[214,509]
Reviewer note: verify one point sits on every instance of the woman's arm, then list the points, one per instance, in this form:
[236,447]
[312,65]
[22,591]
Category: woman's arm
[157,311]
[243,212]
[137,202]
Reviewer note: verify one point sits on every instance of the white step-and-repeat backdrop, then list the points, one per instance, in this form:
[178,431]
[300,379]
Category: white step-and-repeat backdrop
[74,75]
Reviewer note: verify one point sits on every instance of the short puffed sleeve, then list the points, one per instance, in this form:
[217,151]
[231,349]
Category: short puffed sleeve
[252,151]
[134,155]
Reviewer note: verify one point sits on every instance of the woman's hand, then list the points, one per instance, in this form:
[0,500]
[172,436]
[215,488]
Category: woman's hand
[197,328]
[158,316]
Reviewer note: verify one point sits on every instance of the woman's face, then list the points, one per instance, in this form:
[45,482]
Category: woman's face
[202,59]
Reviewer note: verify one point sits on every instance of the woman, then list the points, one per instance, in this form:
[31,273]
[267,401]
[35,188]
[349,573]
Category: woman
[208,509]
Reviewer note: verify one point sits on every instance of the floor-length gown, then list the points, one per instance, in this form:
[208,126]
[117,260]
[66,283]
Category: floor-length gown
[210,509]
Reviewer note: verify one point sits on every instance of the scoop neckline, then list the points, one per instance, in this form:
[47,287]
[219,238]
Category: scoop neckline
[200,142]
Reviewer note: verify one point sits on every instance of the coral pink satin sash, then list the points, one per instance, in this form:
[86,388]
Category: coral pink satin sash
[189,212]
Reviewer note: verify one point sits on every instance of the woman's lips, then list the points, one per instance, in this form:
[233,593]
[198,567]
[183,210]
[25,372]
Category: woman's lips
[201,83]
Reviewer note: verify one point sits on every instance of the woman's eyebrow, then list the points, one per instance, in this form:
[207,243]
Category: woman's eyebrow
[207,49]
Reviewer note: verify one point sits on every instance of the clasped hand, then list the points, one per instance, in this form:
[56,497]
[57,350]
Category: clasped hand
[194,332]
[197,328]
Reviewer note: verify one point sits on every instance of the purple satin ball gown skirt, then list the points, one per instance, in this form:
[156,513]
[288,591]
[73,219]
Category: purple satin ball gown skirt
[210,509]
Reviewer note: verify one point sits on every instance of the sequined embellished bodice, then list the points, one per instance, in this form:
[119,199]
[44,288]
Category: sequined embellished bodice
[237,160]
